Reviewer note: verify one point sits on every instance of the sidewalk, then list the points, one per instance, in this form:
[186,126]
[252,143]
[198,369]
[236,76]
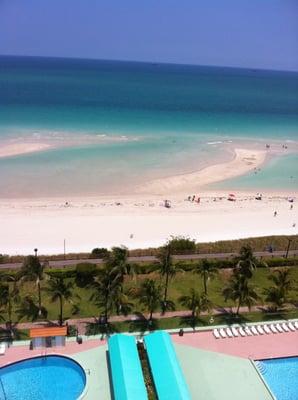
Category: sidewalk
[81,323]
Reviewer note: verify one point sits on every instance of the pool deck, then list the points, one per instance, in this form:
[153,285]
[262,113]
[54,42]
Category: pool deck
[254,347]
[213,368]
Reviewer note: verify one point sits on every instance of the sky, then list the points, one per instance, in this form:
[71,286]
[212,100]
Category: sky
[240,33]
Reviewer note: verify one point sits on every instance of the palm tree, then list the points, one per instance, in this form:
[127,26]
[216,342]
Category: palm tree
[117,256]
[196,303]
[207,270]
[116,261]
[60,289]
[282,279]
[246,262]
[106,290]
[32,269]
[167,269]
[278,294]
[276,297]
[149,295]
[29,310]
[9,294]
[239,291]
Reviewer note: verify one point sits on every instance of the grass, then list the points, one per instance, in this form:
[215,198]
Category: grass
[179,285]
[186,322]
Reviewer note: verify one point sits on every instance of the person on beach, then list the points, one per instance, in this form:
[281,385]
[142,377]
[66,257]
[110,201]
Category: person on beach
[275,213]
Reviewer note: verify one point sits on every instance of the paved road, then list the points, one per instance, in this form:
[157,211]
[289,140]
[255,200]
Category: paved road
[222,256]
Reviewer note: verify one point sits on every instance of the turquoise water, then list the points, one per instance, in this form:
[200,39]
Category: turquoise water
[42,378]
[281,375]
[170,115]
[279,173]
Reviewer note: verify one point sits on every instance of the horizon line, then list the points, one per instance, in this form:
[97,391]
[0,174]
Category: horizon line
[150,62]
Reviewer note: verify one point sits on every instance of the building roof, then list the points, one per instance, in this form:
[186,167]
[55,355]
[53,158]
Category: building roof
[48,331]
[127,377]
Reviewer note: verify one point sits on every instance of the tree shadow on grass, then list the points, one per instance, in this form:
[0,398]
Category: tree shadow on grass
[190,322]
[143,325]
[96,328]
[231,318]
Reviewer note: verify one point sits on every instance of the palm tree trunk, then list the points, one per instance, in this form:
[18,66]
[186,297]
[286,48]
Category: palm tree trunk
[61,311]
[9,314]
[205,283]
[238,308]
[106,310]
[39,297]
[151,314]
[164,306]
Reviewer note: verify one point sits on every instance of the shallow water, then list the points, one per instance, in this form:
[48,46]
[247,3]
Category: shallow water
[174,119]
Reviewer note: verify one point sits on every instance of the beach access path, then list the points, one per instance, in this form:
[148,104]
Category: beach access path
[222,256]
[81,323]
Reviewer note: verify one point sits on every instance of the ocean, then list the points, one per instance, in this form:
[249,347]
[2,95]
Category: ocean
[115,125]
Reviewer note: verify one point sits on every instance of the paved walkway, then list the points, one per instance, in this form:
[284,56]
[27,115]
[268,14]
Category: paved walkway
[81,323]
[254,347]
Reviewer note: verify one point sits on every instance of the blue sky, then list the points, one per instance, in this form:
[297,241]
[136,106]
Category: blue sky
[244,33]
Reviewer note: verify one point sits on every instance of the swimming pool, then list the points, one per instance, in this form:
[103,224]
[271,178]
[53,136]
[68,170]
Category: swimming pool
[42,378]
[281,375]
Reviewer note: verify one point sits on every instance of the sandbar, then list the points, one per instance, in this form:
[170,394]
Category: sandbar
[15,149]
[243,161]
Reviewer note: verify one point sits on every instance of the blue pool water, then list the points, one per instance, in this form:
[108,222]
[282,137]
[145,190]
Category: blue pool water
[42,378]
[281,375]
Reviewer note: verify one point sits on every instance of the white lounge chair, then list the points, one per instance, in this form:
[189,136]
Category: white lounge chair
[241,331]
[234,331]
[229,332]
[247,331]
[222,333]
[260,330]
[2,349]
[296,324]
[273,329]
[279,328]
[254,331]
[216,334]
[266,329]
[284,327]
[291,326]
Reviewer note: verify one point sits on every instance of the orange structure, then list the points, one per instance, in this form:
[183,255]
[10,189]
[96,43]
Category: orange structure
[48,336]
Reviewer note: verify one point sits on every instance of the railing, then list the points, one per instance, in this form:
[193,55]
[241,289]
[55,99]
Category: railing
[261,367]
[3,391]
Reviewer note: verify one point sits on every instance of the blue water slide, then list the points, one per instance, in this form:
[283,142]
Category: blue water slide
[127,377]
[167,374]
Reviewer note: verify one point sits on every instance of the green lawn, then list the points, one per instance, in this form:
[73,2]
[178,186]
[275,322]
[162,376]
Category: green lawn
[179,285]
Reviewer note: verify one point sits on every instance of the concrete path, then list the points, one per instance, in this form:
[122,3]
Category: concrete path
[81,323]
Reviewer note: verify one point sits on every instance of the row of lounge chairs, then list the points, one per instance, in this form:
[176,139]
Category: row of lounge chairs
[255,330]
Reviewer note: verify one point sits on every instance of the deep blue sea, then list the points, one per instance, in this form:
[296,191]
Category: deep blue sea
[117,124]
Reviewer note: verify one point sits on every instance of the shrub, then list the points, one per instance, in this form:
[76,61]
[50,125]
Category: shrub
[84,274]
[99,252]
[4,258]
[61,273]
[182,245]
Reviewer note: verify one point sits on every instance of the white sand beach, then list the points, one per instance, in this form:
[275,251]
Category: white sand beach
[139,221]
